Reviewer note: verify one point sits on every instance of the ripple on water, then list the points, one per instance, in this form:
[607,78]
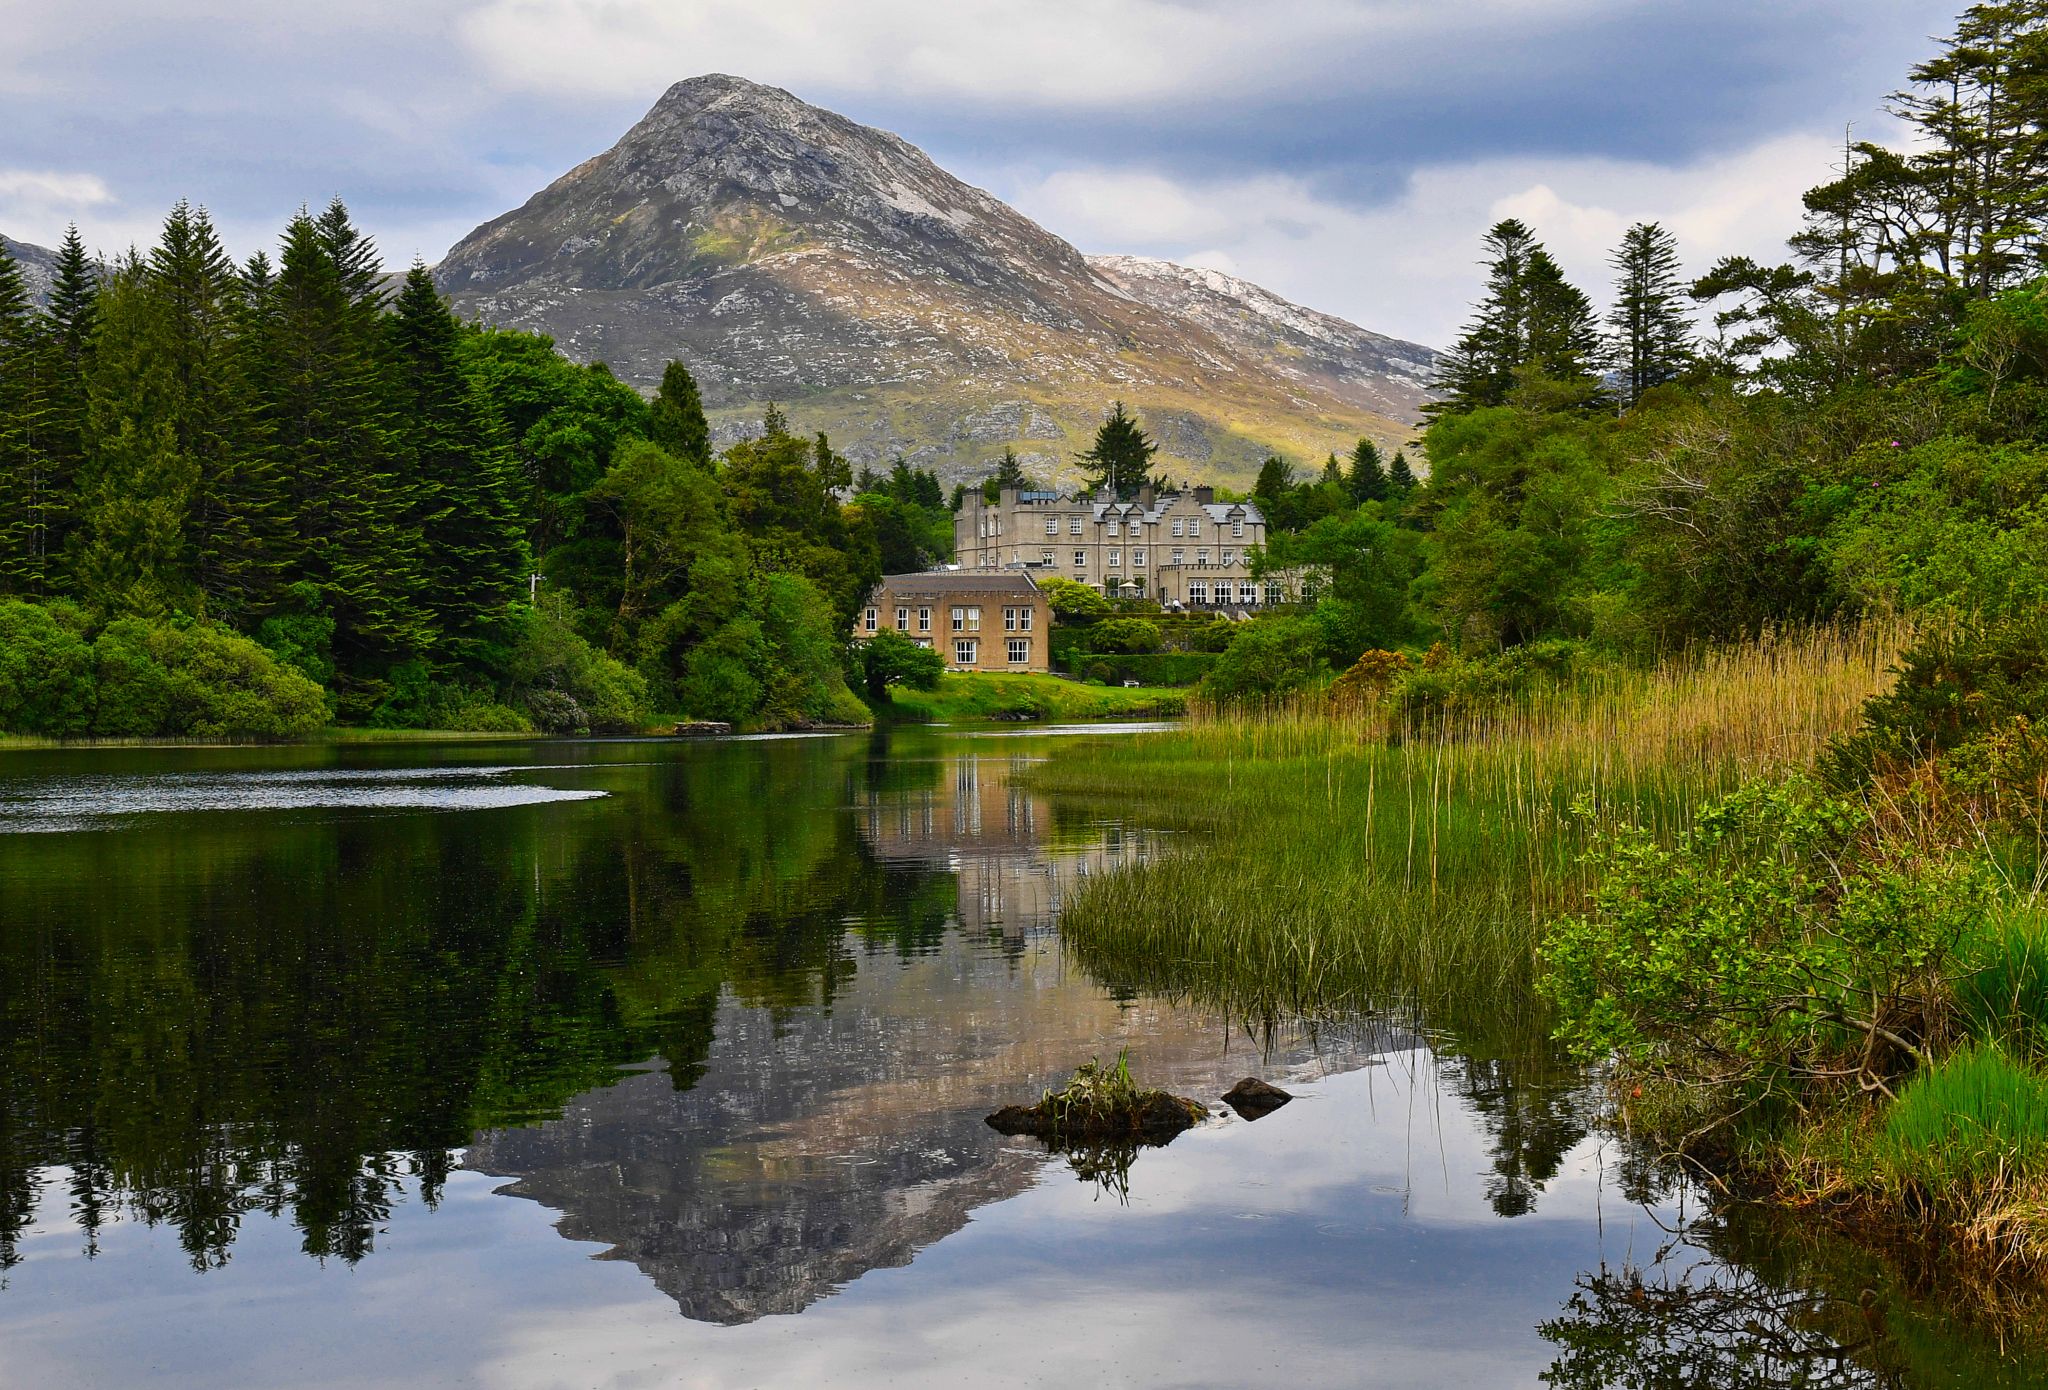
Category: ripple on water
[83,803]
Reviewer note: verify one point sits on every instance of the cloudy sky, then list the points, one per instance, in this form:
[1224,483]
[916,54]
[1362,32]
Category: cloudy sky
[1345,153]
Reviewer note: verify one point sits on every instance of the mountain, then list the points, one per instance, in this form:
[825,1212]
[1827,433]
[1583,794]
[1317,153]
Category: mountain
[787,253]
[38,267]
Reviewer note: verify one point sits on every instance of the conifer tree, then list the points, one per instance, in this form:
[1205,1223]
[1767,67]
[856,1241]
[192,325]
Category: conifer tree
[324,397]
[28,500]
[1333,471]
[1652,336]
[463,489]
[1400,477]
[676,420]
[1531,323]
[1368,478]
[1121,455]
[236,519]
[1010,472]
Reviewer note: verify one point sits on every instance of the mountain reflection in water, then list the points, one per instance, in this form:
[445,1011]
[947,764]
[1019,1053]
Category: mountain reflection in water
[728,1017]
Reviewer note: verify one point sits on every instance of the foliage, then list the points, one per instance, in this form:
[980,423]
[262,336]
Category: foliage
[1778,943]
[200,681]
[1268,657]
[1129,636]
[892,658]
[46,670]
[1073,601]
[1120,459]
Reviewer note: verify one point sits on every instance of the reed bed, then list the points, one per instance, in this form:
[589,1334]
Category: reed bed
[1337,859]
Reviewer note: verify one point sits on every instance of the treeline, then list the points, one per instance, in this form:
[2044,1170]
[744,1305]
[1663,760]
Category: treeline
[333,467]
[1863,427]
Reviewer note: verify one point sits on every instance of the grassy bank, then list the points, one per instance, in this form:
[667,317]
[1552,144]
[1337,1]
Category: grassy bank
[1335,861]
[1839,999]
[968,696]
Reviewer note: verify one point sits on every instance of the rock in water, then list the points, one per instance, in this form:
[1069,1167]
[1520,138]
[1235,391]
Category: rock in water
[1255,1099]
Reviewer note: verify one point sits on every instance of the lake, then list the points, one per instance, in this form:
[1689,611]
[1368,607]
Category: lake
[664,1063]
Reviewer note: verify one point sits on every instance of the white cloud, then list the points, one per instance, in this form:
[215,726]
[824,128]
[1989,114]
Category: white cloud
[48,188]
[1052,53]
[1408,266]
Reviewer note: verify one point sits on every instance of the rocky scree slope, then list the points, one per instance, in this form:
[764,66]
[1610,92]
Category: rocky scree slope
[787,253]
[38,267]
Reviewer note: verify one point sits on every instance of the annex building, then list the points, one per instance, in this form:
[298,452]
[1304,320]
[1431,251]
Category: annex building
[981,621]
[1181,548]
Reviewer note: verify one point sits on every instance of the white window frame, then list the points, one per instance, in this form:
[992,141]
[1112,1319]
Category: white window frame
[924,620]
[1176,526]
[1179,557]
[1194,527]
[1080,559]
[960,619]
[1073,525]
[1019,650]
[1023,620]
[974,618]
[1228,557]
[1202,558]
[873,618]
[1046,557]
[1236,527]
[1115,560]
[1198,591]
[966,651]
[1138,558]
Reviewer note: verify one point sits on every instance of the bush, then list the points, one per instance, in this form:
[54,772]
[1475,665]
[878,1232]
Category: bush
[1125,636]
[1154,668]
[198,681]
[1268,657]
[567,685]
[46,671]
[1073,601]
[1778,939]
[1369,679]
[891,658]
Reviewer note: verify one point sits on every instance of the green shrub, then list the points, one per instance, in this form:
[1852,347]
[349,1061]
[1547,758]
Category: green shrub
[201,681]
[1154,668]
[1125,636]
[46,671]
[568,686]
[1777,941]
[1268,657]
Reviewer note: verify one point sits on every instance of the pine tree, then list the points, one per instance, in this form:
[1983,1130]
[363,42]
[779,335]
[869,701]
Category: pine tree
[464,488]
[1562,338]
[1010,472]
[72,322]
[28,500]
[128,552]
[236,519]
[325,395]
[1121,455]
[676,419]
[1479,370]
[1368,479]
[1400,477]
[1652,335]
[1333,471]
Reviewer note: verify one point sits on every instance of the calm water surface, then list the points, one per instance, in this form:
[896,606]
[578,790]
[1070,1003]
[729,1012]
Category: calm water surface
[647,1063]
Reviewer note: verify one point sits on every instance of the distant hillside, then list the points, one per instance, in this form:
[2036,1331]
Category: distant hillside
[787,253]
[38,266]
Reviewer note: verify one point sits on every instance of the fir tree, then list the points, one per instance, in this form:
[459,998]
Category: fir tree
[1651,334]
[1010,472]
[28,499]
[676,420]
[324,396]
[464,490]
[1479,370]
[1562,337]
[1400,477]
[1368,479]
[1121,455]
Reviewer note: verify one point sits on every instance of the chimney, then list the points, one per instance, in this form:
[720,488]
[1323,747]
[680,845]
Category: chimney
[1145,497]
[1204,496]
[1008,498]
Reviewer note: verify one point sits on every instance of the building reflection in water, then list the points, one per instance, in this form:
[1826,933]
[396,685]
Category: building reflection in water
[821,1142]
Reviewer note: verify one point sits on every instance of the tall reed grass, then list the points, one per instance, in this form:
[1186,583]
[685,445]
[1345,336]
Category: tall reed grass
[1337,858]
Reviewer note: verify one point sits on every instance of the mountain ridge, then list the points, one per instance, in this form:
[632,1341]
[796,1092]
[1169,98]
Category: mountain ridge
[788,253]
[38,267]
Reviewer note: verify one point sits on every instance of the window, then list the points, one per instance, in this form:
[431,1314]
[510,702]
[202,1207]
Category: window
[1237,526]
[1247,592]
[1020,650]
[1137,558]
[1198,592]
[1176,526]
[974,620]
[1052,526]
[1080,559]
[1229,556]
[1116,558]
[924,642]
[1273,592]
[1113,527]
[1009,620]
[959,620]
[1045,557]
[1073,525]
[924,621]
[1023,620]
[1194,527]
[965,651]
[984,528]
[1201,557]
[903,620]
[1180,557]
[870,619]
